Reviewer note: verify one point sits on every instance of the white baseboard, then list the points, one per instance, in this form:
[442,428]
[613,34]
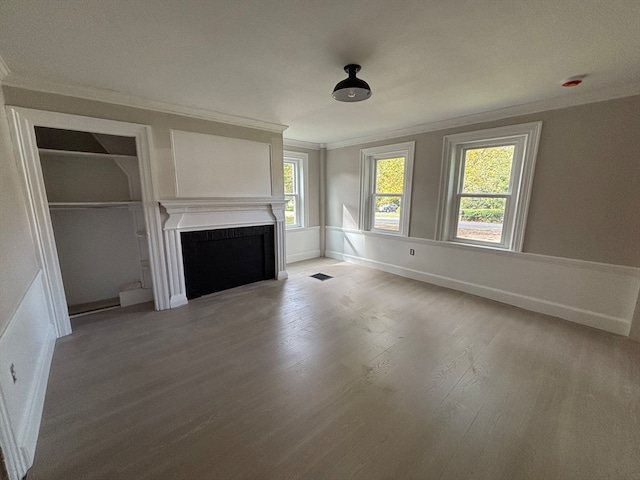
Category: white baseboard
[178,300]
[335,255]
[135,296]
[26,348]
[598,295]
[299,257]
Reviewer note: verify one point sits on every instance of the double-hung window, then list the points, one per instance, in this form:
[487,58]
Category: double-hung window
[294,189]
[385,191]
[486,185]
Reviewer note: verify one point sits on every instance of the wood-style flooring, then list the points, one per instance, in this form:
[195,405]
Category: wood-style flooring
[363,376]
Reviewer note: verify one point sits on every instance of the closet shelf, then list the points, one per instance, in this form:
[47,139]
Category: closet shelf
[72,153]
[79,205]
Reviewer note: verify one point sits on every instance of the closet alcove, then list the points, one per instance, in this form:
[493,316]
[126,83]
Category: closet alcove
[93,187]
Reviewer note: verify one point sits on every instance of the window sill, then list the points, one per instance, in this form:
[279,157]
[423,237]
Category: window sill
[385,233]
[482,246]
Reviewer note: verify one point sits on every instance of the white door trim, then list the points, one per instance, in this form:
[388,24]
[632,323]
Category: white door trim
[22,122]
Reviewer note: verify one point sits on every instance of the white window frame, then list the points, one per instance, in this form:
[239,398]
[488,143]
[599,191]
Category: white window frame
[300,161]
[525,138]
[368,159]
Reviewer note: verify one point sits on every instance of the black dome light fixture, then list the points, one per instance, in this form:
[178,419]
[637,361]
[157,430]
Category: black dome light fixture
[351,89]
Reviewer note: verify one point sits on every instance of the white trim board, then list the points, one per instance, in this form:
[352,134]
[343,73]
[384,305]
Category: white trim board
[4,70]
[109,96]
[603,297]
[300,257]
[290,142]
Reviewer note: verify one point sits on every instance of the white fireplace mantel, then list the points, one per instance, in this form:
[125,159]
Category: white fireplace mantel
[194,214]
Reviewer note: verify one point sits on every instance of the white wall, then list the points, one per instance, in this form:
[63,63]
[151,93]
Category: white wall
[303,244]
[215,166]
[98,252]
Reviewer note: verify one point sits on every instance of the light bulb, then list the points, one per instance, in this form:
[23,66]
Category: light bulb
[351,94]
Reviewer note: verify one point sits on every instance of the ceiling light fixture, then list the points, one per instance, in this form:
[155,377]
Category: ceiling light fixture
[351,89]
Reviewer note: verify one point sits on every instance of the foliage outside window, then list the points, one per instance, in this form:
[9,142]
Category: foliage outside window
[294,170]
[386,188]
[486,186]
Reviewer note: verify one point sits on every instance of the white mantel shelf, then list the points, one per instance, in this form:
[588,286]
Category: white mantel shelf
[84,205]
[211,204]
[195,214]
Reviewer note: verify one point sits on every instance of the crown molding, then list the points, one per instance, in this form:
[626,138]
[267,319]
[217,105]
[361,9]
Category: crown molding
[290,142]
[110,96]
[554,103]
[4,70]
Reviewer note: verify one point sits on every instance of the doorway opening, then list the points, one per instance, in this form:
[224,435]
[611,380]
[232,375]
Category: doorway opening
[94,193]
[139,197]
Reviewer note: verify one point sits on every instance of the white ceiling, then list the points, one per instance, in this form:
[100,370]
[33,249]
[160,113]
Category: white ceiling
[278,60]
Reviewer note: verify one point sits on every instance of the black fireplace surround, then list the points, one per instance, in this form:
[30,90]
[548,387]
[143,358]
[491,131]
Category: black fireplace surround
[216,260]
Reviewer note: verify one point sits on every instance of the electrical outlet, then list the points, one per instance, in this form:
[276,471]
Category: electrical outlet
[412,251]
[13,373]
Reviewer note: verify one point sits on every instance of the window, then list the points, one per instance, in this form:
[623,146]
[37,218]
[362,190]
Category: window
[486,185]
[385,191]
[295,168]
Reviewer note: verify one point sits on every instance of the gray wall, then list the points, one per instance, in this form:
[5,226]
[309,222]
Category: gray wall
[161,125]
[73,179]
[19,263]
[313,191]
[585,199]
[98,252]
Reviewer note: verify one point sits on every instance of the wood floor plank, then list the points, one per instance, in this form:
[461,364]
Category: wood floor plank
[363,376]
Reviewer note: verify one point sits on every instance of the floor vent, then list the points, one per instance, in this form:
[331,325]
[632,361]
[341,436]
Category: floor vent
[321,276]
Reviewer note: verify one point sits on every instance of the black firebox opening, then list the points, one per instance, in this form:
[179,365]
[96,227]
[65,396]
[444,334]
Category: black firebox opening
[215,260]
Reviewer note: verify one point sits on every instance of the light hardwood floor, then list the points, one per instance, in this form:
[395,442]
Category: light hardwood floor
[363,376]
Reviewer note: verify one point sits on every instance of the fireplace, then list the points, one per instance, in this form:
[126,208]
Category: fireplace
[216,260]
[257,224]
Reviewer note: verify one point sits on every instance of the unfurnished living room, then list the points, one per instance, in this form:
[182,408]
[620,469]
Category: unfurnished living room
[319,240]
